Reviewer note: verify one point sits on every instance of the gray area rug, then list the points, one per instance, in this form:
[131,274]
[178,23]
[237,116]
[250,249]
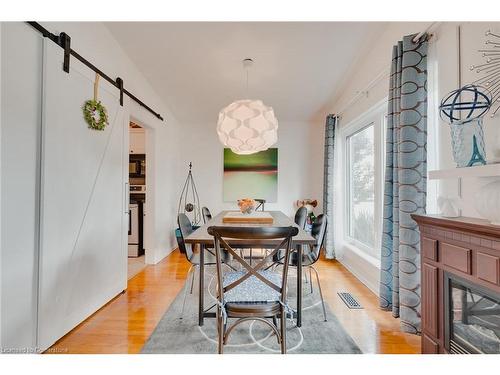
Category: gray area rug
[174,334]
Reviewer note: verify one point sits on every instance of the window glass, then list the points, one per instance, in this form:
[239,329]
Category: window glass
[361,186]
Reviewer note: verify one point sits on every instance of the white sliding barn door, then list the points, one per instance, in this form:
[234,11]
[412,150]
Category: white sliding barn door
[83,252]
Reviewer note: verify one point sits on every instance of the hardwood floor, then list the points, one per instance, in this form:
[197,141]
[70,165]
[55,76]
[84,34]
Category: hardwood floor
[125,323]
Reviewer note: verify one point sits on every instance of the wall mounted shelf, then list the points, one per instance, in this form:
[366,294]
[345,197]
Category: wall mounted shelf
[489,170]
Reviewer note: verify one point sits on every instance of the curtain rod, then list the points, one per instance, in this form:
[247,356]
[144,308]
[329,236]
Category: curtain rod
[63,40]
[383,74]
[427,29]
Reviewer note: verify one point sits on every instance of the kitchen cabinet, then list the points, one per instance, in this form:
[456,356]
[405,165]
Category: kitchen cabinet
[137,142]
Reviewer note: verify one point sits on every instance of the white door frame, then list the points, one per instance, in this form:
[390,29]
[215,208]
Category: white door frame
[149,222]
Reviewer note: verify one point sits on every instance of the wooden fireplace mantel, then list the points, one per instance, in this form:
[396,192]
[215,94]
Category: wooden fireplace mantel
[466,224]
[466,247]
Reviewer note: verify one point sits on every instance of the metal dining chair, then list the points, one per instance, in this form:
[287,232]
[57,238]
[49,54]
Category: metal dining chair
[256,293]
[207,216]
[311,255]
[301,217]
[186,228]
[260,206]
[261,203]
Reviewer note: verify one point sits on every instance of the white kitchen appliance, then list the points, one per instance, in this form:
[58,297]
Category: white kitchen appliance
[133,230]
[137,189]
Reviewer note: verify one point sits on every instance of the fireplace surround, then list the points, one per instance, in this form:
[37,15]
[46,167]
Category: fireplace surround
[460,288]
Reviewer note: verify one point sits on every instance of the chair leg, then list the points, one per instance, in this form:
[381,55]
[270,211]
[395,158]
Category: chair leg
[192,279]
[320,292]
[220,330]
[311,280]
[186,289]
[242,256]
[283,330]
[275,322]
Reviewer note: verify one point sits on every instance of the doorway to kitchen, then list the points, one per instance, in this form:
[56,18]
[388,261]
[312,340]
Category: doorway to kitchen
[137,175]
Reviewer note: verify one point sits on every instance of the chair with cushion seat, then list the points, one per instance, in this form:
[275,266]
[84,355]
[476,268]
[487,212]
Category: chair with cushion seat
[206,214]
[254,293]
[310,255]
[186,228]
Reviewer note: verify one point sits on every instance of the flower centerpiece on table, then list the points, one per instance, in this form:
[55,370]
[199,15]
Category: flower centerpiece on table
[246,205]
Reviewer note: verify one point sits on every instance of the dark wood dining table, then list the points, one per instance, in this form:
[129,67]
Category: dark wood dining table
[201,237]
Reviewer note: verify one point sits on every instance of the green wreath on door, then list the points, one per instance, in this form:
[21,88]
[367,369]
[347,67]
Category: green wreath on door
[94,113]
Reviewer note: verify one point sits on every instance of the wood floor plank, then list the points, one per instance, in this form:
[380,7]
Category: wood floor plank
[124,324]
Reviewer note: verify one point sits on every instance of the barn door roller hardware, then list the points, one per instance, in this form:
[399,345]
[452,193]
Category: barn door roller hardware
[119,82]
[65,43]
[63,40]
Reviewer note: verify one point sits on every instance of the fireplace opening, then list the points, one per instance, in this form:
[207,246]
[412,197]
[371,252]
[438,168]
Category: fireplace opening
[472,317]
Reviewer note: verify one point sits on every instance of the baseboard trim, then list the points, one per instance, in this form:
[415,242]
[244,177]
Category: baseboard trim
[372,281]
[370,285]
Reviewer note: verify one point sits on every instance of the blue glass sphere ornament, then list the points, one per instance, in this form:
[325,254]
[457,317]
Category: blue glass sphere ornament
[464,109]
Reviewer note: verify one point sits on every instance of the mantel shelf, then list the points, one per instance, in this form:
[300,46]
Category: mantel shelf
[489,170]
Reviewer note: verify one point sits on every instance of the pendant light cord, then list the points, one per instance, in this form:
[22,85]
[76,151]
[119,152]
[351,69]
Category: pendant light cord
[247,83]
[247,63]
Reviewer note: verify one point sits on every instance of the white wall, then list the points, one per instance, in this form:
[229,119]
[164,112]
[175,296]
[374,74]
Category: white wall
[96,43]
[472,39]
[373,64]
[0,190]
[20,115]
[202,147]
[20,137]
[316,159]
[444,58]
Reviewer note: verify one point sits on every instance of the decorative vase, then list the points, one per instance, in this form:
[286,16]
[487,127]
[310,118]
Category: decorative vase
[467,140]
[246,205]
[488,202]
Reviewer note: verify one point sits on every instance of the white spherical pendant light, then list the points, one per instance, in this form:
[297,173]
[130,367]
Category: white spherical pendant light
[247,126]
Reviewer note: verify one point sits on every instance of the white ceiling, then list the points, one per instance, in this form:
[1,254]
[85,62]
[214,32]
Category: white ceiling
[196,67]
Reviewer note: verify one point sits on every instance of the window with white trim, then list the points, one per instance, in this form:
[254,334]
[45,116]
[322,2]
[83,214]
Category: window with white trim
[363,142]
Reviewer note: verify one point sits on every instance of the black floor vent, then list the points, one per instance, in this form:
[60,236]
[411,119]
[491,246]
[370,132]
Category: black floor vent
[349,300]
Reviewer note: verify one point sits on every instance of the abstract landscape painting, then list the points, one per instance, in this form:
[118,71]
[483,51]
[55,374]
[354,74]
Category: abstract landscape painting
[251,176]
